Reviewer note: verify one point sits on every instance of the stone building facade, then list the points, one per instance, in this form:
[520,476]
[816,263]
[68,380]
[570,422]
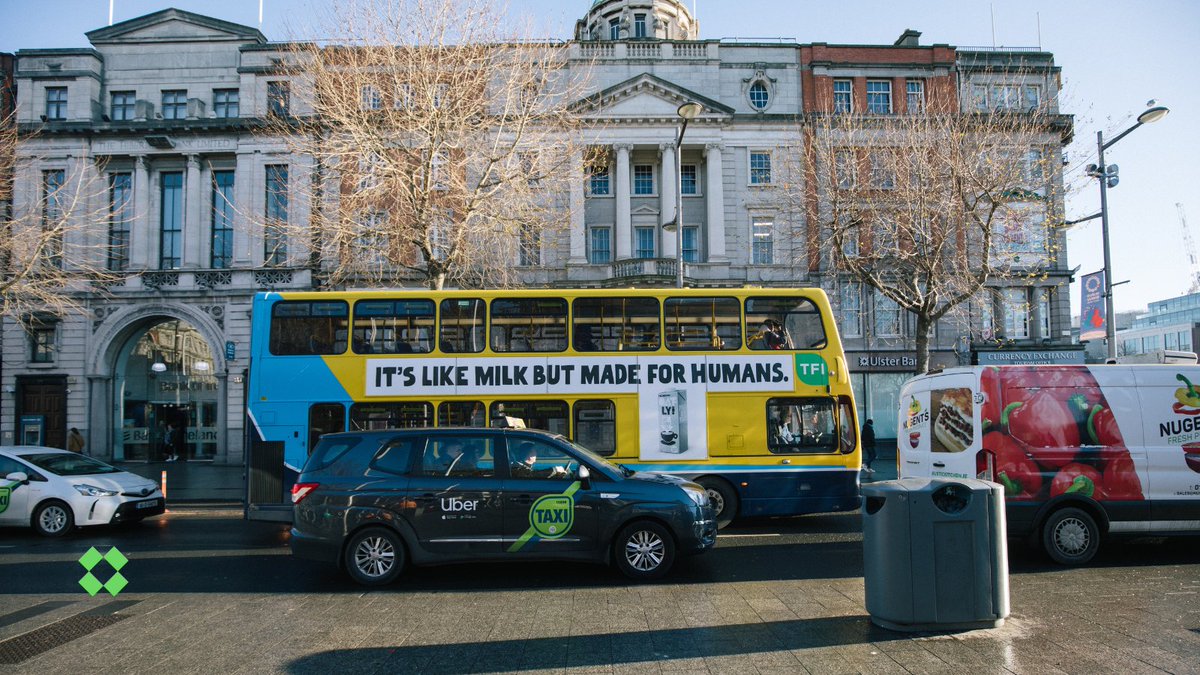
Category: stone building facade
[164,111]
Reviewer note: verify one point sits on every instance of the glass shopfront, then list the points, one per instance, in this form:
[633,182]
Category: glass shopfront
[168,407]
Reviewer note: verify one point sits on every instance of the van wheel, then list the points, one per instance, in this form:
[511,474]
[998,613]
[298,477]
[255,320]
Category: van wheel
[723,497]
[53,519]
[375,556]
[1070,536]
[644,550]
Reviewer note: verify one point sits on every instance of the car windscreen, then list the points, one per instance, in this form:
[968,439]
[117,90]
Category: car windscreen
[68,464]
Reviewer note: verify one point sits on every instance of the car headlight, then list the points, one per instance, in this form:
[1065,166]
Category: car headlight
[93,491]
[698,497]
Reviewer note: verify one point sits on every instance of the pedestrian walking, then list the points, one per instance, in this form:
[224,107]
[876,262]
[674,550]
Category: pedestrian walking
[868,444]
[75,442]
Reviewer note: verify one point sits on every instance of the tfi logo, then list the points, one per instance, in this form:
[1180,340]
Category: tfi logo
[459,504]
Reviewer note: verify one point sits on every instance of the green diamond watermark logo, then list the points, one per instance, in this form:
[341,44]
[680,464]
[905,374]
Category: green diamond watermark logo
[115,560]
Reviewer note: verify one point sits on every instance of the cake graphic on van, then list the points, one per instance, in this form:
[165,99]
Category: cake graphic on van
[953,427]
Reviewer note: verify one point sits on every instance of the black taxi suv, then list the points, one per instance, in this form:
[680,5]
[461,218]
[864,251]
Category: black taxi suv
[373,501]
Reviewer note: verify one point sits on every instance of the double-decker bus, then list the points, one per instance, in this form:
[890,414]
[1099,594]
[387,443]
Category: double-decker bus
[744,391]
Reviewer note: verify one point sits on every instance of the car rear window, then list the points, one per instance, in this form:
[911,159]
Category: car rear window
[330,450]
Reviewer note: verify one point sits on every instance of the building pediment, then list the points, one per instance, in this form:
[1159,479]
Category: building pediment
[645,210]
[174,25]
[648,97]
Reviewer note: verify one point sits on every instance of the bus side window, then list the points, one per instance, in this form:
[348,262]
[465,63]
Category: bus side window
[596,426]
[462,325]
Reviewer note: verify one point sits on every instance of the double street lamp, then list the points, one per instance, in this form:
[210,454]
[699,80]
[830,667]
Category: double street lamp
[1107,175]
[687,112]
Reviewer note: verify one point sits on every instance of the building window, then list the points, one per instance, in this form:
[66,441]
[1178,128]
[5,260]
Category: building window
[600,245]
[1172,341]
[530,246]
[56,103]
[643,179]
[222,219]
[122,106]
[882,175]
[171,220]
[1150,343]
[225,103]
[437,170]
[639,25]
[1185,340]
[979,96]
[691,244]
[404,94]
[760,96]
[274,234]
[643,242]
[1016,313]
[1044,311]
[1130,346]
[843,100]
[689,180]
[762,231]
[614,29]
[846,166]
[41,342]
[915,96]
[851,226]
[54,215]
[279,98]
[1032,95]
[120,214]
[174,104]
[879,97]
[851,310]
[371,99]
[598,182]
[887,316]
[760,168]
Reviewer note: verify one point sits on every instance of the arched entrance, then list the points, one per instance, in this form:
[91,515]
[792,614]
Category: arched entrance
[167,395]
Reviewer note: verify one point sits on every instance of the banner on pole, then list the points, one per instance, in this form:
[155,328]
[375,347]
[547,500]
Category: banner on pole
[1093,320]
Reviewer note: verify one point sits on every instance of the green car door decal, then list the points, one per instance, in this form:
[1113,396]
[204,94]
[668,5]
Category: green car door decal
[550,517]
[4,494]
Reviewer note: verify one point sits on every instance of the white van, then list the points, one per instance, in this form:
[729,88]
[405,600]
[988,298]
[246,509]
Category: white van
[1082,451]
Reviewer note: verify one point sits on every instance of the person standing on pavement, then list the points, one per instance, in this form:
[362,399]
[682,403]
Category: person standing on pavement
[75,442]
[868,444]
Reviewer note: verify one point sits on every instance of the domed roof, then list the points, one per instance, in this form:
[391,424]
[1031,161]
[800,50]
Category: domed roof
[636,20]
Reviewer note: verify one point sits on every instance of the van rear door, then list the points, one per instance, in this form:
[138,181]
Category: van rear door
[938,429]
[1170,413]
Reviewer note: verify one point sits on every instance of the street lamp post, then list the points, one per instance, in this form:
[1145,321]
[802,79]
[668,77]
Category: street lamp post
[1107,175]
[687,112]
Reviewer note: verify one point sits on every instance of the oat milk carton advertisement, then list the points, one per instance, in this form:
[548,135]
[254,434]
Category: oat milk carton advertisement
[672,422]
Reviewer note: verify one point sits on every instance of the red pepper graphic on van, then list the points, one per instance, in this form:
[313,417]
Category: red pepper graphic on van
[1020,475]
[989,387]
[1043,421]
[1102,427]
[1120,482]
[1079,479]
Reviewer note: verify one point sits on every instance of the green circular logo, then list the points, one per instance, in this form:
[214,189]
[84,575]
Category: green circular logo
[552,516]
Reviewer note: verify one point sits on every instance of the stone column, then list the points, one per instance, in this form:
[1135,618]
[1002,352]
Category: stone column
[670,184]
[191,214]
[715,200]
[243,178]
[143,220]
[624,225]
[577,205]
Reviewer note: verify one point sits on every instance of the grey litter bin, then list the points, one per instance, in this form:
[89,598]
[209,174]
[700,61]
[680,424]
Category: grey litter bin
[934,554]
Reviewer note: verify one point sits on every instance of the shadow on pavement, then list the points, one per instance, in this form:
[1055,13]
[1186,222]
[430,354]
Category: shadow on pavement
[608,649]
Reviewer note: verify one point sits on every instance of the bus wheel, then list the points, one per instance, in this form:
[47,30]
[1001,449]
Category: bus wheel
[644,550]
[1070,536]
[375,556]
[723,497]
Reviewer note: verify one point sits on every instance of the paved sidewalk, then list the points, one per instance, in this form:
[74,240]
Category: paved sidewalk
[194,481]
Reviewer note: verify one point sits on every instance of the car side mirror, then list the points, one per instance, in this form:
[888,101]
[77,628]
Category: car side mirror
[20,477]
[585,477]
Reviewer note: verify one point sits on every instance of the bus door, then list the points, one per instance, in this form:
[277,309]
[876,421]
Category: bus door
[546,508]
[454,504]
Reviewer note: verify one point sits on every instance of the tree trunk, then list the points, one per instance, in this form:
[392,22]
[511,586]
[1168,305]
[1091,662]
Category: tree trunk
[922,343]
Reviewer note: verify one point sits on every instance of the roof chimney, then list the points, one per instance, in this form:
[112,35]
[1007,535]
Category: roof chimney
[909,38]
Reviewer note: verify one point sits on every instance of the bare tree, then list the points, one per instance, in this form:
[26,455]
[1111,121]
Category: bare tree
[928,208]
[440,145]
[53,224]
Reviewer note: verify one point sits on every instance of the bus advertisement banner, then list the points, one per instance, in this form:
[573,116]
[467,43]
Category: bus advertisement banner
[671,391]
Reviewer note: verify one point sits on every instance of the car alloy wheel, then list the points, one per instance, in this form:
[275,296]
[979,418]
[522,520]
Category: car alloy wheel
[53,519]
[375,556]
[645,551]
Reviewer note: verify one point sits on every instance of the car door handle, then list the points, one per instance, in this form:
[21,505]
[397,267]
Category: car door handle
[522,499]
[940,465]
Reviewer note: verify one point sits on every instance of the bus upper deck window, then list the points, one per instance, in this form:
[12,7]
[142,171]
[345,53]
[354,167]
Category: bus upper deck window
[615,324]
[529,325]
[703,324]
[463,325]
[302,328]
[784,323]
[393,327]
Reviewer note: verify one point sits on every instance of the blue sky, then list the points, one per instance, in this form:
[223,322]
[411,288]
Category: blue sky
[1115,55]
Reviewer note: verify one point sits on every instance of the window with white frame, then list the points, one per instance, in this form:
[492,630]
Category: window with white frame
[985,306]
[42,342]
[762,231]
[404,94]
[851,310]
[1035,170]
[689,180]
[174,104]
[760,96]
[122,108]
[371,98]
[643,242]
[643,180]
[56,103]
[1016,313]
[275,229]
[914,91]
[979,96]
[1005,96]
[599,245]
[691,244]
[846,166]
[598,181]
[120,210]
[883,176]
[225,103]
[441,95]
[1043,296]
[639,26]
[530,253]
[879,97]
[614,29]
[850,225]
[437,169]
[1031,95]
[760,167]
[843,98]
[887,316]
